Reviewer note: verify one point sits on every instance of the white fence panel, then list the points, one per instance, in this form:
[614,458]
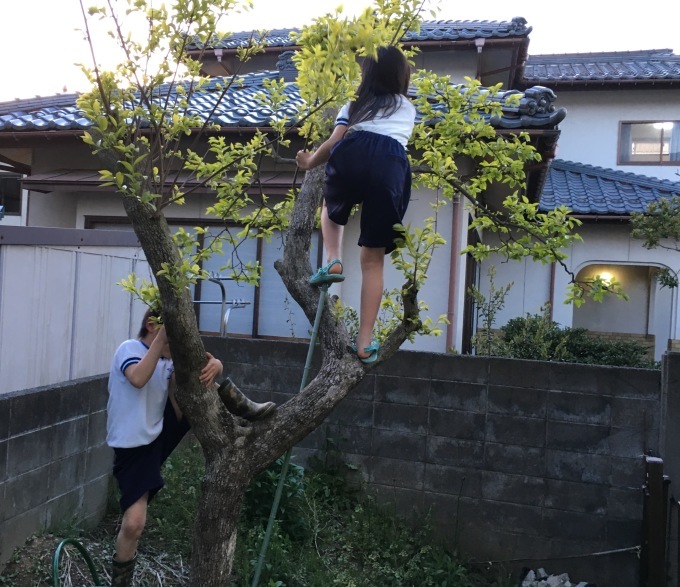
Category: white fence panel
[61,313]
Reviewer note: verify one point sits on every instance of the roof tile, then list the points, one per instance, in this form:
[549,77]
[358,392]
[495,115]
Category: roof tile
[590,190]
[653,65]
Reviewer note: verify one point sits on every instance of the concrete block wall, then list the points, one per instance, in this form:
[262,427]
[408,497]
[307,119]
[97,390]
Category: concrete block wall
[512,459]
[54,463]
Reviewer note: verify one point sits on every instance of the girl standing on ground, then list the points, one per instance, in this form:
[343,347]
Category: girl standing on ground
[366,163]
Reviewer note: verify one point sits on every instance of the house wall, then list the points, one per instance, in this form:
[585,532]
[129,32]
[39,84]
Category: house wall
[653,311]
[590,131]
[511,459]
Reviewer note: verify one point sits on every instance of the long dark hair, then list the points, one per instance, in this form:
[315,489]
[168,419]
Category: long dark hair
[150,313]
[382,81]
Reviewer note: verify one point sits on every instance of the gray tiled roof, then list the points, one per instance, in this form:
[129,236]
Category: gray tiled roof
[430,30]
[240,107]
[628,66]
[590,190]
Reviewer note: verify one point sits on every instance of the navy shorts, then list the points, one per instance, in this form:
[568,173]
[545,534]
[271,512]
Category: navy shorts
[138,469]
[369,169]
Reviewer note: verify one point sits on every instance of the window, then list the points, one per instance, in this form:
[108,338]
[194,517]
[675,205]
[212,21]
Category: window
[649,143]
[10,193]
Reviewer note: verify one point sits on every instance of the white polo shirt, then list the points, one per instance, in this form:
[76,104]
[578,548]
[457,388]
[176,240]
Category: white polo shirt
[135,416]
[398,125]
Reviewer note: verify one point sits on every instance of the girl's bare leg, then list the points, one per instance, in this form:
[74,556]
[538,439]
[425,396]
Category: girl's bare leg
[372,264]
[332,239]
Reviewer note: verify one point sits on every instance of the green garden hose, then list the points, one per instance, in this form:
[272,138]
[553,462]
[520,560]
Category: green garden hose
[286,460]
[83,553]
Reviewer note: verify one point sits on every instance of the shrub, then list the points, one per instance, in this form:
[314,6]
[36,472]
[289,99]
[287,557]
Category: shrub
[538,337]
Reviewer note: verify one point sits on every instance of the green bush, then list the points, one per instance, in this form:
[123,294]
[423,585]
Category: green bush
[538,337]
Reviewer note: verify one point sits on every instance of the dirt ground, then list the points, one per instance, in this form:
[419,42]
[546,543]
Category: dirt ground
[31,565]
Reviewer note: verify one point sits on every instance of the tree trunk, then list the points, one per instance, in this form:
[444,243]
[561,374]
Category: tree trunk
[214,546]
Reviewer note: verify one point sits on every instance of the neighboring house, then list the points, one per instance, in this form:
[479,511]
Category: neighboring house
[41,138]
[619,150]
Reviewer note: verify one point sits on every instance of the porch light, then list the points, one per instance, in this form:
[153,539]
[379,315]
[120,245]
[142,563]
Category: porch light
[606,278]
[663,125]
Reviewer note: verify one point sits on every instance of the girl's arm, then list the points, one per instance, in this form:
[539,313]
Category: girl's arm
[211,371]
[307,160]
[138,374]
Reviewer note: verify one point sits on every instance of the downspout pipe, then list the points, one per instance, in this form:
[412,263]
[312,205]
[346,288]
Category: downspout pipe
[453,272]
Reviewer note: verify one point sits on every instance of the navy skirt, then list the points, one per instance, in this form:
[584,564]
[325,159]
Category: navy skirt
[138,469]
[369,169]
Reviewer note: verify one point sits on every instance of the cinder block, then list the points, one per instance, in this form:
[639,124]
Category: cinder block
[14,532]
[350,439]
[26,492]
[406,503]
[582,438]
[515,489]
[29,451]
[456,424]
[365,389]
[400,417]
[569,525]
[64,509]
[628,442]
[516,430]
[519,373]
[467,369]
[396,473]
[99,394]
[587,498]
[625,504]
[517,401]
[66,473]
[266,378]
[5,403]
[353,412]
[406,363]
[398,445]
[75,400]
[632,383]
[582,408]
[95,498]
[624,533]
[457,395]
[3,460]
[453,480]
[99,462]
[635,413]
[24,416]
[70,437]
[575,466]
[96,428]
[578,378]
[402,390]
[520,460]
[493,515]
[454,452]
[626,472]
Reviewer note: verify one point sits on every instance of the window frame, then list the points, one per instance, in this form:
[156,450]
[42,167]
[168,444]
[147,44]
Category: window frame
[622,151]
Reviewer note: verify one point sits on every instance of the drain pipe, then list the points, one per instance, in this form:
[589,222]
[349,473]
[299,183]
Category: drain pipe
[453,271]
[479,43]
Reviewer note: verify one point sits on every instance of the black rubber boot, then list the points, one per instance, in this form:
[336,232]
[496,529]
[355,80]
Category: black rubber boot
[122,573]
[239,405]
